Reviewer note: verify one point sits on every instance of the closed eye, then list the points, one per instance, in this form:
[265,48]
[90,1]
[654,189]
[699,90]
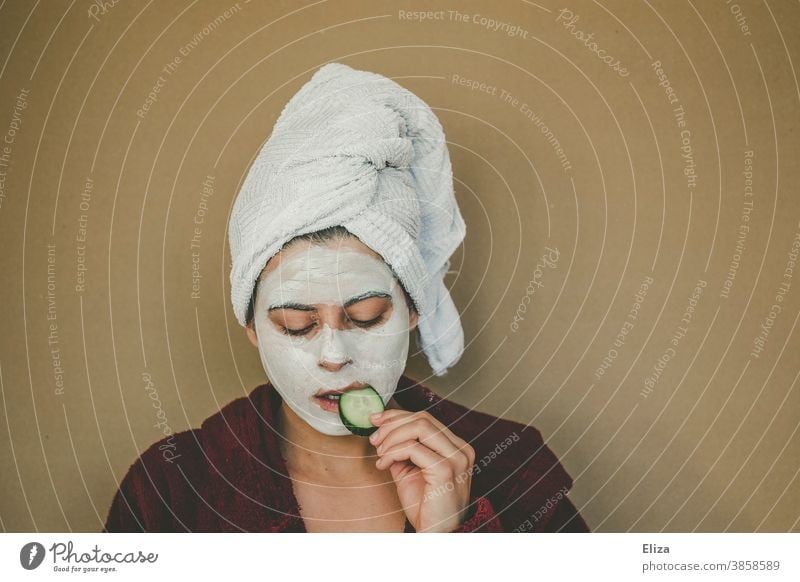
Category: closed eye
[357,322]
[303,331]
[369,323]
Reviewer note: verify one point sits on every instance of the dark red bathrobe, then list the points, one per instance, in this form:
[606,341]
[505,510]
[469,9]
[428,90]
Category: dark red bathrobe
[229,474]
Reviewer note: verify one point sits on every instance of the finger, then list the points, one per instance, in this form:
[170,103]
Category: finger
[378,418]
[386,425]
[403,469]
[388,421]
[401,417]
[422,414]
[423,457]
[383,424]
[429,435]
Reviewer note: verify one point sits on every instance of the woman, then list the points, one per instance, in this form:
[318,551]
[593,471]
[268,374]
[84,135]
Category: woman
[340,239]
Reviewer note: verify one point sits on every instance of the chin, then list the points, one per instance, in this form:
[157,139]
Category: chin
[329,425]
[335,432]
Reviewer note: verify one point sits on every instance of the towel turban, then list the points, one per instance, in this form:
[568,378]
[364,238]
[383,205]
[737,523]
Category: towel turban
[355,149]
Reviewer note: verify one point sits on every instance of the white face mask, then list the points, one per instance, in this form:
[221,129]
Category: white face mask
[376,355]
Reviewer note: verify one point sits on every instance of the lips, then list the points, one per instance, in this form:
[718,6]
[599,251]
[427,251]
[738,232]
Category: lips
[329,399]
[353,386]
[327,404]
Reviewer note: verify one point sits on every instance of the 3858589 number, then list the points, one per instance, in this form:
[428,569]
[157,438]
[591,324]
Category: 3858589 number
[755,565]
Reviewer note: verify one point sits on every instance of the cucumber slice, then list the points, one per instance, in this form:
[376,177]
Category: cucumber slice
[355,406]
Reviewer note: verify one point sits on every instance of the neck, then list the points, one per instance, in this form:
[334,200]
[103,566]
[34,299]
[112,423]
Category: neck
[321,457]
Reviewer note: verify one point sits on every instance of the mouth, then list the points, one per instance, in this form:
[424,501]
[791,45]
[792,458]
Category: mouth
[329,399]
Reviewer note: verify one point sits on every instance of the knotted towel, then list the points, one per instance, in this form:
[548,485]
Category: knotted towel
[355,149]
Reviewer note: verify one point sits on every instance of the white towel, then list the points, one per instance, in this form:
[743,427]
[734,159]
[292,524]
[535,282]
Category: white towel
[354,148]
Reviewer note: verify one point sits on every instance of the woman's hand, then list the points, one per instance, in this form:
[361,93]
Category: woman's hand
[430,465]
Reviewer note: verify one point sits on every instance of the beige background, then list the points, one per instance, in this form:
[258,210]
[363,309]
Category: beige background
[713,447]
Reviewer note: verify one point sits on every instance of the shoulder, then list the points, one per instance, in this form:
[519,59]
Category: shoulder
[505,446]
[160,490]
[189,450]
[145,499]
[514,467]
[501,442]
[177,450]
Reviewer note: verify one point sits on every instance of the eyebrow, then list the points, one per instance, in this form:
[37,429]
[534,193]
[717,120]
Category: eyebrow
[348,303]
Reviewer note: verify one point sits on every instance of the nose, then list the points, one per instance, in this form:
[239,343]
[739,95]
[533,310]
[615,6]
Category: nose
[333,356]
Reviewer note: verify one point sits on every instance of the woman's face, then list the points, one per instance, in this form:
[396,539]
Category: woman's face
[325,318]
